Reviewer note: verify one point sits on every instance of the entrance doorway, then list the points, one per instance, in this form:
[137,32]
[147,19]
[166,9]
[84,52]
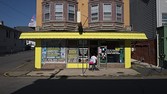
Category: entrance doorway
[93,47]
[93,51]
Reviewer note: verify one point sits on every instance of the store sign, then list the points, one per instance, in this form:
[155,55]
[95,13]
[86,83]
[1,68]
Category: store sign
[111,51]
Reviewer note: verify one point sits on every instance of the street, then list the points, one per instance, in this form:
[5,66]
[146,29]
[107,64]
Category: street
[70,85]
[82,86]
[14,61]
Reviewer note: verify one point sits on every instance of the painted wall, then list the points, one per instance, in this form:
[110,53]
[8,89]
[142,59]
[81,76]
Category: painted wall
[143,17]
[126,12]
[83,7]
[38,13]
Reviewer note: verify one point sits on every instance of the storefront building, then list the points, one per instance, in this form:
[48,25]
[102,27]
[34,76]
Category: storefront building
[71,50]
[59,43]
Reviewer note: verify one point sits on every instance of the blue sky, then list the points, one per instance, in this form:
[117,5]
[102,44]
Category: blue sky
[17,12]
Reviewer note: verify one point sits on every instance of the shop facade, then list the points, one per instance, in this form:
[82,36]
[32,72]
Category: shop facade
[73,50]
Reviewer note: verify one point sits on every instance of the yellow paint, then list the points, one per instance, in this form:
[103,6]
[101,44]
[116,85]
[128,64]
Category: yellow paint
[87,35]
[117,49]
[126,12]
[77,65]
[127,54]
[38,51]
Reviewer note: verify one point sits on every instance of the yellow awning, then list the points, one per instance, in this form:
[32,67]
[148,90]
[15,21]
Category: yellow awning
[85,35]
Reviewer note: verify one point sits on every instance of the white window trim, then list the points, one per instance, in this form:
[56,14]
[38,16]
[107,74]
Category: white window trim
[121,13]
[62,11]
[68,13]
[110,12]
[97,13]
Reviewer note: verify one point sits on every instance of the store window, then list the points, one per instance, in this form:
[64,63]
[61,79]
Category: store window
[58,12]
[164,19]
[53,51]
[107,12]
[72,52]
[71,12]
[47,12]
[83,51]
[119,13]
[78,51]
[94,13]
[111,52]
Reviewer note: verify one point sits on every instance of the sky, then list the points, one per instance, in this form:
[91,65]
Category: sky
[17,12]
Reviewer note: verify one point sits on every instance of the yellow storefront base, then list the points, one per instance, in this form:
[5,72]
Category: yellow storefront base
[38,51]
[77,65]
[127,54]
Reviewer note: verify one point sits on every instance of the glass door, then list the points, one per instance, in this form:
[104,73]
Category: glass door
[83,55]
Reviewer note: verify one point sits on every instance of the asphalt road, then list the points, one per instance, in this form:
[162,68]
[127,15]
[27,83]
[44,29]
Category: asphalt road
[66,85]
[14,61]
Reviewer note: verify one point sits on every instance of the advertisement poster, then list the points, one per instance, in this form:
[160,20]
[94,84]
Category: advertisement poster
[73,55]
[54,52]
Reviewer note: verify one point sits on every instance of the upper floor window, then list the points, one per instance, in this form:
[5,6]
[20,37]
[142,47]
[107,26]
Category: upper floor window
[94,12]
[15,35]
[119,13]
[7,34]
[164,18]
[107,12]
[59,12]
[47,12]
[71,12]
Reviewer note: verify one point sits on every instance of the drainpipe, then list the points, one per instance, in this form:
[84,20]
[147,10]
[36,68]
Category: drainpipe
[157,50]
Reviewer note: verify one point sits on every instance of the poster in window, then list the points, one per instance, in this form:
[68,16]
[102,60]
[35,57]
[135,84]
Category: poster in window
[72,55]
[53,52]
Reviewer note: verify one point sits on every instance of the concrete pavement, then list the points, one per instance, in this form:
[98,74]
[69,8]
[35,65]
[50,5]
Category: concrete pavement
[139,69]
[85,72]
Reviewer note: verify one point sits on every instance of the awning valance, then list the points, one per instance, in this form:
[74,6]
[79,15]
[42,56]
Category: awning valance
[85,35]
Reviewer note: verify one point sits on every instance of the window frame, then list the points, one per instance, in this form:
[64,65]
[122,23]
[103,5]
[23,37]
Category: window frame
[119,12]
[110,16]
[62,12]
[47,12]
[94,13]
[68,11]
[164,21]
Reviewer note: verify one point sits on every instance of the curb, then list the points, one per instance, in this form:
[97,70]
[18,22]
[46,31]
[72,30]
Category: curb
[13,74]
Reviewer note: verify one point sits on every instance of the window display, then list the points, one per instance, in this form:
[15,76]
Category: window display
[72,55]
[54,52]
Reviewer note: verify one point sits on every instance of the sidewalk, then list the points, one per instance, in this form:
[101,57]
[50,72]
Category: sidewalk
[85,72]
[139,69]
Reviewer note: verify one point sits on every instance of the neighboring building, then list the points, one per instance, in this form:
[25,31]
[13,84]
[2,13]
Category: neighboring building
[146,16]
[9,40]
[30,44]
[162,46]
[161,12]
[103,31]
